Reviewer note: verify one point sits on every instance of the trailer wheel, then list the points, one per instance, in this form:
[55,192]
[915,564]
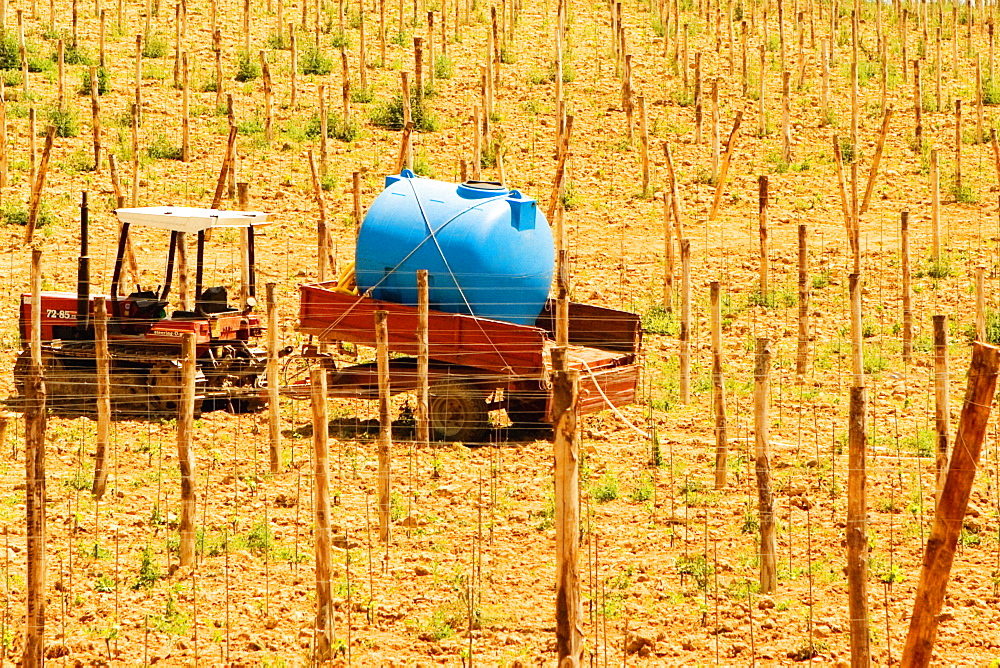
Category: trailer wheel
[527,410]
[458,412]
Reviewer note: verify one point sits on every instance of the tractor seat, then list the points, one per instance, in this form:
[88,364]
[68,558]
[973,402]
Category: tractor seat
[145,305]
[215,300]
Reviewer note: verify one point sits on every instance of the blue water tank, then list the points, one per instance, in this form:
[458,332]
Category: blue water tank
[487,250]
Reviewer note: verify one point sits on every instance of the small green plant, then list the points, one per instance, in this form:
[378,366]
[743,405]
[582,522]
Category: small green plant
[65,121]
[314,61]
[103,81]
[444,67]
[161,149]
[822,279]
[605,490]
[247,67]
[361,95]
[14,213]
[154,46]
[697,567]
[388,114]
[73,54]
[847,154]
[279,41]
[964,194]
[10,51]
[939,268]
[104,584]
[922,444]
[991,91]
[643,491]
[657,320]
[149,572]
[259,539]
[172,621]
[683,97]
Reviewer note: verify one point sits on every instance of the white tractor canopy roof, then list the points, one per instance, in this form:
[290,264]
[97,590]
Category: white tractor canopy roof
[189,219]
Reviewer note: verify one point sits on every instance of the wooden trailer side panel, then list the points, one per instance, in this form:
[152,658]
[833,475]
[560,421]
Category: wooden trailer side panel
[495,346]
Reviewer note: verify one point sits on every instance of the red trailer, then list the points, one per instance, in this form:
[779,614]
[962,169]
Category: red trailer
[478,364]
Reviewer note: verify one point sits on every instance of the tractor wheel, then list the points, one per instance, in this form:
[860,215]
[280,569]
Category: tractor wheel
[458,412]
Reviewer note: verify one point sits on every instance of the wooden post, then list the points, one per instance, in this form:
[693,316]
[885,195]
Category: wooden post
[321,502]
[668,255]
[323,240]
[918,129]
[685,330]
[135,156]
[407,143]
[103,397]
[904,250]
[762,198]
[418,68]
[958,149]
[61,76]
[36,188]
[942,412]
[95,108]
[935,207]
[185,110]
[802,356]
[876,160]
[786,112]
[274,406]
[243,204]
[980,302]
[857,483]
[761,124]
[569,611]
[423,359]
[265,69]
[34,465]
[713,128]
[762,454]
[219,81]
[562,293]
[718,389]
[644,145]
[979,101]
[720,182]
[824,105]
[185,451]
[385,425]
[952,505]
[324,151]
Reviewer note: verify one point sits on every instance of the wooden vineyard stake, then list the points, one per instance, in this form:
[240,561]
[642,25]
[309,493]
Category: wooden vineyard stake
[958,148]
[562,295]
[324,131]
[857,483]
[103,372]
[802,355]
[675,198]
[423,359]
[668,255]
[904,251]
[61,75]
[698,103]
[406,145]
[980,304]
[185,110]
[714,129]
[95,107]
[876,160]
[979,101]
[560,176]
[718,389]
[761,122]
[942,411]
[228,160]
[824,105]
[935,208]
[762,198]
[786,112]
[34,464]
[219,86]
[918,128]
[323,236]
[685,328]
[356,200]
[418,68]
[385,425]
[185,450]
[321,502]
[265,69]
[952,505]
[644,145]
[569,611]
[720,182]
[35,202]
[4,161]
[273,405]
[762,455]
[135,156]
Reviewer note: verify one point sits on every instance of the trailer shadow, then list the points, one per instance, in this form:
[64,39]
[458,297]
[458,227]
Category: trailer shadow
[405,430]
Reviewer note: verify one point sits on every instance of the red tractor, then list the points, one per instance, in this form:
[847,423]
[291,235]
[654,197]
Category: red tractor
[144,336]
